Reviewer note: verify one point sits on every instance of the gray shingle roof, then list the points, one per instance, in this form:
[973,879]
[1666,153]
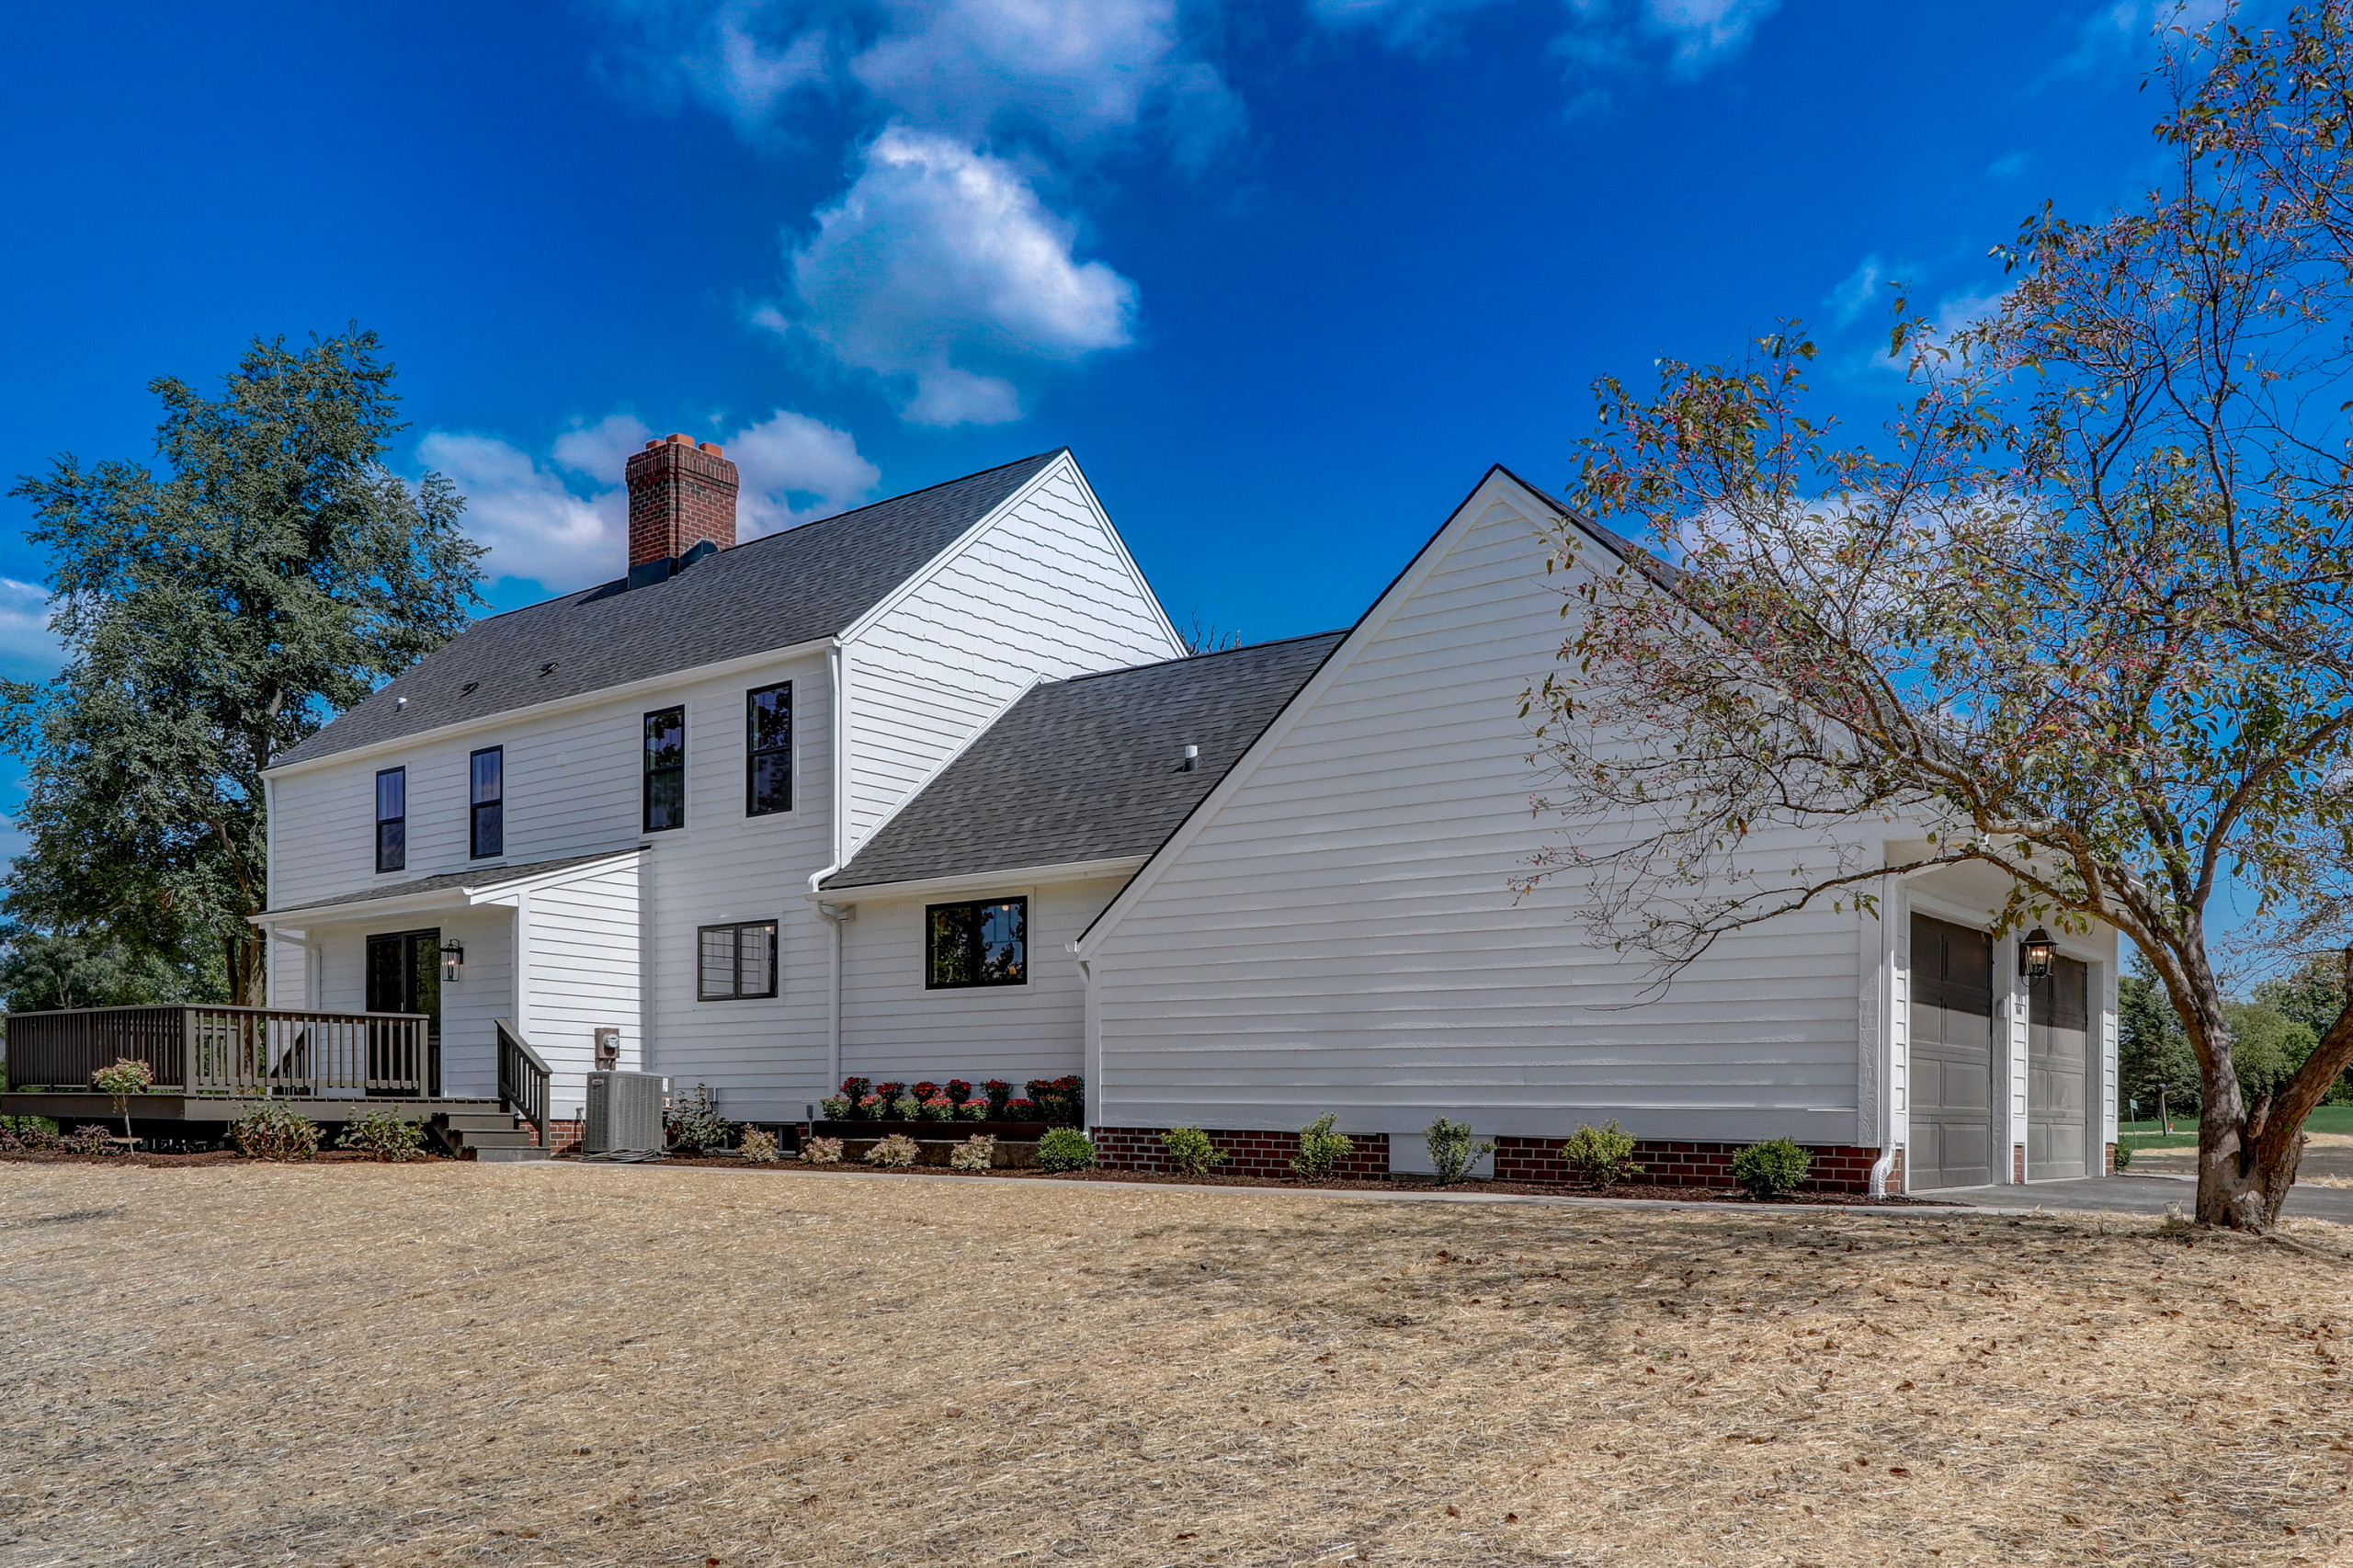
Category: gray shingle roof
[1088,769]
[476,877]
[788,588]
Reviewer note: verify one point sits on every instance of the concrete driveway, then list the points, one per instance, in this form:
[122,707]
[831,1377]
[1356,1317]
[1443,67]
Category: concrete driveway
[2134,1195]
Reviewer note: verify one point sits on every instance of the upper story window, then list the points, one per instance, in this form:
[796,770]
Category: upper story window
[767,747]
[486,792]
[736,962]
[665,769]
[391,819]
[977,944]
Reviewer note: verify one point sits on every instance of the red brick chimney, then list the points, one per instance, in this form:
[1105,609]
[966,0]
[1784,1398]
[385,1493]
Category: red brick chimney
[681,496]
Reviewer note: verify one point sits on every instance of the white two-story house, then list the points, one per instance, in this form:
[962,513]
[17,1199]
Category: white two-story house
[931,789]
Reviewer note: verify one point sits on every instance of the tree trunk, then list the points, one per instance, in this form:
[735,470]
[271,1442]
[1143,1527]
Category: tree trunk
[243,955]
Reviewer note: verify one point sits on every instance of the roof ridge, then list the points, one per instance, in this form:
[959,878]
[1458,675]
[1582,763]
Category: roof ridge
[762,539]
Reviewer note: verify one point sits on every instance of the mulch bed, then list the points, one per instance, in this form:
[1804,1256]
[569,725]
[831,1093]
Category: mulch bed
[206,1157]
[1394,1184]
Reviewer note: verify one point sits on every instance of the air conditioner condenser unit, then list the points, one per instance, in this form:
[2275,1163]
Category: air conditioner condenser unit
[624,1114]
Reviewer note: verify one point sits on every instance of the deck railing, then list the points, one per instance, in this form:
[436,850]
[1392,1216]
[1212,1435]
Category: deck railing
[523,1076]
[230,1051]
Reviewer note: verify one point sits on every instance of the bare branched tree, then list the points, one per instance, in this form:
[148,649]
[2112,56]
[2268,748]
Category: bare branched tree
[2081,612]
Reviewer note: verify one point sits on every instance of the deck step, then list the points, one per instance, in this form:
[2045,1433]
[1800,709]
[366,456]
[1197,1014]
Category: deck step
[507,1155]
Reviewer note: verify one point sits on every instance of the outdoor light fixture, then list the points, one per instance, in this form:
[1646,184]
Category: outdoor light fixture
[453,962]
[2036,951]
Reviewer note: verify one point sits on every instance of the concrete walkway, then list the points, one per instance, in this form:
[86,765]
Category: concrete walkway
[2134,1195]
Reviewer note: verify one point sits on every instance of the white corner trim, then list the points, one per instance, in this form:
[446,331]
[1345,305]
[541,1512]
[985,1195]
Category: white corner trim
[1498,487]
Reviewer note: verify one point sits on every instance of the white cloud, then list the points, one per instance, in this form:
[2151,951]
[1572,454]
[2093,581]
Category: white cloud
[1701,32]
[1079,71]
[789,454]
[532,526]
[942,271]
[1854,295]
[2126,32]
[537,528]
[26,645]
[2009,165]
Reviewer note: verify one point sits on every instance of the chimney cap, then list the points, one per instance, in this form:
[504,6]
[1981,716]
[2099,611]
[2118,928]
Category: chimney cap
[710,447]
[680,439]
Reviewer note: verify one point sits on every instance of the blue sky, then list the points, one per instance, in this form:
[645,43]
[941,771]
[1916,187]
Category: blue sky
[1288,277]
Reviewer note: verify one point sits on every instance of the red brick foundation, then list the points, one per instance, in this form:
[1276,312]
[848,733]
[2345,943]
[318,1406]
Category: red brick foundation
[561,1134]
[1247,1153]
[2109,1169]
[2017,1165]
[1666,1163]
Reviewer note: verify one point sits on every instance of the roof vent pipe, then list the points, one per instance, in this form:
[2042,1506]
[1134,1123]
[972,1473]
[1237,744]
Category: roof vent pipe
[1193,759]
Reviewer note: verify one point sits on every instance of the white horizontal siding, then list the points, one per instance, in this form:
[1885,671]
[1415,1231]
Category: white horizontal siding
[1045,591]
[1340,934]
[896,1028]
[470,1010]
[582,974]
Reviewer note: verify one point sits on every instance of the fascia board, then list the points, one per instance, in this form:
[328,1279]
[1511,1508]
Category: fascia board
[983,881]
[491,889]
[561,705]
[1500,484]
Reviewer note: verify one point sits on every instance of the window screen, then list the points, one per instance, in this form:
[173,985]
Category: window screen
[391,819]
[665,769]
[768,748]
[487,795]
[737,961]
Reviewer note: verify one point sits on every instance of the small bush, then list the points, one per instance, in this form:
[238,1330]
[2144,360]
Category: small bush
[959,1090]
[28,1134]
[998,1091]
[871,1108]
[939,1108]
[1321,1150]
[821,1150]
[276,1132]
[923,1090]
[973,1110]
[694,1124]
[897,1152]
[1066,1149]
[977,1153]
[906,1108]
[1454,1148]
[1602,1154]
[1190,1150]
[759,1145]
[1770,1170]
[1023,1110]
[380,1134]
[856,1090]
[836,1108]
[889,1092]
[91,1139]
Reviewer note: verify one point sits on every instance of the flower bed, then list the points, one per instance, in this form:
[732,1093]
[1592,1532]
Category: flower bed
[924,1132]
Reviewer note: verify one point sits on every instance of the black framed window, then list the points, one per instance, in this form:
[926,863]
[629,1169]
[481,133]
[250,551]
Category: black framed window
[665,769]
[767,750]
[736,962]
[977,944]
[486,795]
[391,819]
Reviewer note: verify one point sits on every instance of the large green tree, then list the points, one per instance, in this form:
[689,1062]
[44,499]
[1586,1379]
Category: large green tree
[216,610]
[2081,614]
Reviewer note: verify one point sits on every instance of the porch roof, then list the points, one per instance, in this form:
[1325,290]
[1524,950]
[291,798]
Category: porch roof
[463,887]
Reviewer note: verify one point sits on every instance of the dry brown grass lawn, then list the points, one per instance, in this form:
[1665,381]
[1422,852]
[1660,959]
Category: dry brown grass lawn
[464,1364]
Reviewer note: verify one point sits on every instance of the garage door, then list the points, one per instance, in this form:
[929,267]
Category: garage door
[2058,1042]
[1952,1057]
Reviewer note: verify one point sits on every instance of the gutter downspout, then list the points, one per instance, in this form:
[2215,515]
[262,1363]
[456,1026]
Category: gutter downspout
[835,914]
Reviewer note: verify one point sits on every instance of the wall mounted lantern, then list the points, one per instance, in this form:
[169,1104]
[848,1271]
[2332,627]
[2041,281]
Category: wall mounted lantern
[453,962]
[2037,952]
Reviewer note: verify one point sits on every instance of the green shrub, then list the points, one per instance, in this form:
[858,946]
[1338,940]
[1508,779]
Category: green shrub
[977,1153]
[1454,1149]
[276,1132]
[28,1133]
[758,1145]
[1321,1150]
[2124,1156]
[125,1078]
[1603,1155]
[895,1153]
[1190,1150]
[1066,1149]
[694,1123]
[821,1150]
[380,1134]
[1770,1170]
